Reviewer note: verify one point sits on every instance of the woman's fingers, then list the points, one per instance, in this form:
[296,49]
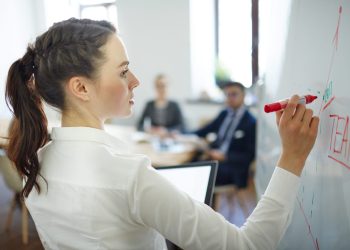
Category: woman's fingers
[307,116]
[298,132]
[298,115]
[290,108]
[314,125]
[278,116]
[300,112]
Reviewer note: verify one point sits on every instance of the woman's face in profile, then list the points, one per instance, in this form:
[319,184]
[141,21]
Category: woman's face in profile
[115,84]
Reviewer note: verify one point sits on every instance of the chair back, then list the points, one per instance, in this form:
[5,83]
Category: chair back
[11,177]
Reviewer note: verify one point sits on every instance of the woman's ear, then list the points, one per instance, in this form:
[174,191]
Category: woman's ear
[79,87]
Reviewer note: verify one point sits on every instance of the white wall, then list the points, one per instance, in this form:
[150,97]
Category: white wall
[273,33]
[158,40]
[157,34]
[274,29]
[19,24]
[202,36]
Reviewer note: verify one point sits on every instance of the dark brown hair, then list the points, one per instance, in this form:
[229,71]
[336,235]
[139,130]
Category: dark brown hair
[69,48]
[233,84]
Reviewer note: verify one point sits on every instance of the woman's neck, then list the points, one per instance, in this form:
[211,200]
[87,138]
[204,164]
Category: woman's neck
[161,103]
[72,118]
[161,99]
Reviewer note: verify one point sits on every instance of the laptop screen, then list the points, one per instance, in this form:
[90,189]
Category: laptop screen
[196,179]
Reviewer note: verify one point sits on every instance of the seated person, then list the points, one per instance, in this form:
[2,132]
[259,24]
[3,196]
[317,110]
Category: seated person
[164,115]
[234,146]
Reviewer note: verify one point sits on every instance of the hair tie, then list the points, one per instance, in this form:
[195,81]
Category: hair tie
[28,64]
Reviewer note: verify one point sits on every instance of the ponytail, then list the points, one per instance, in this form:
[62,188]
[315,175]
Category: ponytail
[69,48]
[28,131]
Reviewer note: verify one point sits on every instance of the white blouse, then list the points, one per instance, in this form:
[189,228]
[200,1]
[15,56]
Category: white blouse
[100,196]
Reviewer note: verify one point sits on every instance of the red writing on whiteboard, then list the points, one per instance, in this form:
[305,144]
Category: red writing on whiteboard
[339,147]
[314,240]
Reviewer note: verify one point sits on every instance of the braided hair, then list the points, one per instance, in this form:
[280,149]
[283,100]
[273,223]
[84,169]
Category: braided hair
[69,48]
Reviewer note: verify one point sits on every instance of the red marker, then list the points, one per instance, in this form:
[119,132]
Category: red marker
[276,106]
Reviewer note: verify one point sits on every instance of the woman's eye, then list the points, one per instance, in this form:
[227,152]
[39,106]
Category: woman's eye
[123,74]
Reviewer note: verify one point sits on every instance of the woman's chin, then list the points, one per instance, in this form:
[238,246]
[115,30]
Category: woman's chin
[125,114]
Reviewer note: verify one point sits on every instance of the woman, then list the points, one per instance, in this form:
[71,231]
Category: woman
[164,115]
[90,193]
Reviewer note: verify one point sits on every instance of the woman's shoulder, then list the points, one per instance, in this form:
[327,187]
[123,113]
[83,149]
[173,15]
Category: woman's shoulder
[131,160]
[110,166]
[173,103]
[150,103]
[129,163]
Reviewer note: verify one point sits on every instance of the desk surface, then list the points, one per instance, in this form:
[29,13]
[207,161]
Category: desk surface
[162,152]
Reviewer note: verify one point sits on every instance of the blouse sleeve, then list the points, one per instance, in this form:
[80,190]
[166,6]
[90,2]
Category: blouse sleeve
[190,224]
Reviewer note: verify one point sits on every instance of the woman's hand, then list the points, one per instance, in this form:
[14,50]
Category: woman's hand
[298,130]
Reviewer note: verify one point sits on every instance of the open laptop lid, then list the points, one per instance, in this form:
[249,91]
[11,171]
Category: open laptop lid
[196,179]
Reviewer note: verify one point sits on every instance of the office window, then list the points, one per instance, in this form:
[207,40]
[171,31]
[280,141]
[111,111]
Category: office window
[99,10]
[56,11]
[237,39]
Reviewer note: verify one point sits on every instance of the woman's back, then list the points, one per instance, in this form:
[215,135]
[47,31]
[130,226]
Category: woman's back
[90,179]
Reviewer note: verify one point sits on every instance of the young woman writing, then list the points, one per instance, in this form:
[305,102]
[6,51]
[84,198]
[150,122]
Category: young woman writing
[85,191]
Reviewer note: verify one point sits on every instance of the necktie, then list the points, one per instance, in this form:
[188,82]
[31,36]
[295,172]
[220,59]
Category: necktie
[225,128]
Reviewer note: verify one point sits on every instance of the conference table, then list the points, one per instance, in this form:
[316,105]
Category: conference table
[162,151]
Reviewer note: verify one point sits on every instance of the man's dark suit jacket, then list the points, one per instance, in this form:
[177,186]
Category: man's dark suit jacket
[241,151]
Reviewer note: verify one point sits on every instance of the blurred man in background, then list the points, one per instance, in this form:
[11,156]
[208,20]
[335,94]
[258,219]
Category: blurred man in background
[234,146]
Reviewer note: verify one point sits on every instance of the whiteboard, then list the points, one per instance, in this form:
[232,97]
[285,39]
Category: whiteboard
[308,44]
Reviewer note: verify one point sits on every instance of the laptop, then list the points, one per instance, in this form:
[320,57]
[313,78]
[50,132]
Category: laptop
[196,179]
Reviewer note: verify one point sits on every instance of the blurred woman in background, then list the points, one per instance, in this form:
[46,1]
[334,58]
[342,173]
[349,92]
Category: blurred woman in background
[161,115]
